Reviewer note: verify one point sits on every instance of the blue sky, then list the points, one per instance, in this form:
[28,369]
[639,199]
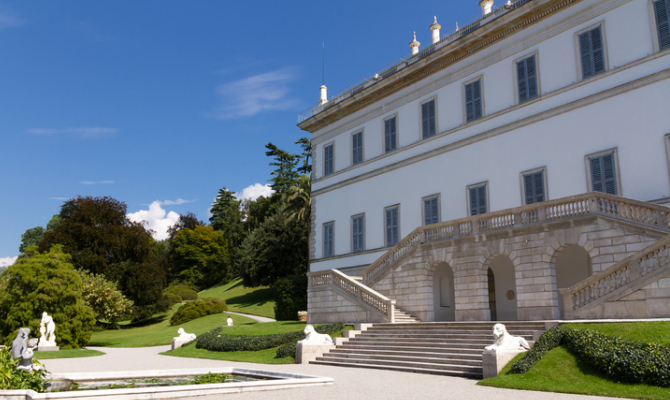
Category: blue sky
[159,104]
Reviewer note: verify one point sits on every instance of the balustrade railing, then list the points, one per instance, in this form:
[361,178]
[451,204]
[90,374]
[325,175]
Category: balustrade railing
[355,291]
[652,215]
[617,276]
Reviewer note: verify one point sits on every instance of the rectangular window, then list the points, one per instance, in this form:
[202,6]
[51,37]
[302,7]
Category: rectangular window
[477,198]
[533,185]
[392,226]
[431,210]
[328,231]
[603,174]
[661,14]
[592,52]
[328,159]
[473,100]
[390,136]
[357,148]
[358,233]
[428,127]
[526,73]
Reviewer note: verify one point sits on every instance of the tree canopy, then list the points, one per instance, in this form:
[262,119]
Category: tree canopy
[199,257]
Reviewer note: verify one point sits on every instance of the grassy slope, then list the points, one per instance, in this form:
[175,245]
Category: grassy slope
[255,301]
[560,371]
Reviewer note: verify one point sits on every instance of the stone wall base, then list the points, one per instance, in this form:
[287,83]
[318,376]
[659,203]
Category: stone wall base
[538,313]
[176,342]
[304,353]
[493,361]
[48,348]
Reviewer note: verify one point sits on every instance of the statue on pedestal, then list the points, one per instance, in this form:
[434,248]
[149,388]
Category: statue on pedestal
[47,331]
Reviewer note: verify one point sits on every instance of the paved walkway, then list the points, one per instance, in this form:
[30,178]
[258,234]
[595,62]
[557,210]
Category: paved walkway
[350,383]
[256,317]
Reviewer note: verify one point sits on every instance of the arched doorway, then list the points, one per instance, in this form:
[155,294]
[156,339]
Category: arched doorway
[573,265]
[502,289]
[444,298]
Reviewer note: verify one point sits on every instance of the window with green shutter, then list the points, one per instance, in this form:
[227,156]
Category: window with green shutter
[478,200]
[473,101]
[431,210]
[392,226]
[603,174]
[526,73]
[328,159]
[428,123]
[592,52]
[390,136]
[328,232]
[357,148]
[358,233]
[661,13]
[534,187]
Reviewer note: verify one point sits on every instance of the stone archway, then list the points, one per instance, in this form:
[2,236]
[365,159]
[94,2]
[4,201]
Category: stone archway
[444,299]
[502,290]
[572,265]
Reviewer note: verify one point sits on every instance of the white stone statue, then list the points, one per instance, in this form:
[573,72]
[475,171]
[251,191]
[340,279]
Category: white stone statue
[313,337]
[185,336]
[505,341]
[47,331]
[20,343]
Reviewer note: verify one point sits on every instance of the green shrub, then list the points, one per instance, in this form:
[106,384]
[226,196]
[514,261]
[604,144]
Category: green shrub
[173,298]
[12,378]
[215,341]
[184,291]
[620,359]
[290,295]
[197,309]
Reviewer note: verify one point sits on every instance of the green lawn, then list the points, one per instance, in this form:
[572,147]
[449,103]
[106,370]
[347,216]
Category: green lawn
[68,353]
[560,371]
[255,301]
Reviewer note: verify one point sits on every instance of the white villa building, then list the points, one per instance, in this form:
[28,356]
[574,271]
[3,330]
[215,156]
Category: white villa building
[517,168]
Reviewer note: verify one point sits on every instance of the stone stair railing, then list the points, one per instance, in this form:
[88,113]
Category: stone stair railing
[587,204]
[620,275]
[355,291]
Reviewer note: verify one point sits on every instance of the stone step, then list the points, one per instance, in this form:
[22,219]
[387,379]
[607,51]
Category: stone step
[421,370]
[443,336]
[471,359]
[394,339]
[465,326]
[435,349]
[474,370]
[382,359]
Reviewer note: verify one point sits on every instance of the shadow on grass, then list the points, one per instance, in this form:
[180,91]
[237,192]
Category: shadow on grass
[255,298]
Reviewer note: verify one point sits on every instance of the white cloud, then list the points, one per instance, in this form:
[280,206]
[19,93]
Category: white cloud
[10,21]
[258,93]
[7,261]
[174,202]
[96,182]
[255,191]
[157,219]
[90,132]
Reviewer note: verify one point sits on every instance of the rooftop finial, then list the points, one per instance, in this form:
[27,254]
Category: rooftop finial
[436,30]
[414,45]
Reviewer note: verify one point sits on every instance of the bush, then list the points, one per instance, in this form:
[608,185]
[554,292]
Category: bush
[173,298]
[290,295]
[197,309]
[620,359]
[215,341]
[184,291]
[13,379]
[45,282]
[102,295]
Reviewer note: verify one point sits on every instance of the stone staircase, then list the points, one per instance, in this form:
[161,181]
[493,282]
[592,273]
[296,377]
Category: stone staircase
[402,317]
[441,348]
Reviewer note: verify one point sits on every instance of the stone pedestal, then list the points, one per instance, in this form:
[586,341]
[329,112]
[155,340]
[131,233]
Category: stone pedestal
[48,348]
[178,342]
[493,361]
[304,353]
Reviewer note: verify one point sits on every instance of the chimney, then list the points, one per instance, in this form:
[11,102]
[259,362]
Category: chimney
[436,30]
[323,99]
[486,6]
[414,45]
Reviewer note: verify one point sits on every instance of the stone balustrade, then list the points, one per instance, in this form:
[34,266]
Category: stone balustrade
[618,275]
[355,291]
[588,204]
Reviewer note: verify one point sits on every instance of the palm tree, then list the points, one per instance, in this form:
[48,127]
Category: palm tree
[298,199]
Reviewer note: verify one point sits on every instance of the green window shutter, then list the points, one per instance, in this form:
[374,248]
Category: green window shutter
[534,187]
[478,200]
[592,53]
[431,211]
[390,135]
[661,10]
[428,127]
[328,239]
[391,226]
[358,234]
[357,148]
[473,101]
[603,174]
[328,161]
[527,79]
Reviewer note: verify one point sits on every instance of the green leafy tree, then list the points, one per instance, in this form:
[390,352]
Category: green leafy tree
[30,237]
[228,217]
[305,167]
[39,282]
[97,234]
[200,257]
[255,212]
[284,173]
[275,250]
[185,221]
[103,296]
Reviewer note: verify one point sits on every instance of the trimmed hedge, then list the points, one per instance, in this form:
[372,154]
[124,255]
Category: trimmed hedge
[197,309]
[290,295]
[620,359]
[183,291]
[215,341]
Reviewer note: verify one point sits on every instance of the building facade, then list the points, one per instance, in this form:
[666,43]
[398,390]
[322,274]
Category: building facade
[537,101]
